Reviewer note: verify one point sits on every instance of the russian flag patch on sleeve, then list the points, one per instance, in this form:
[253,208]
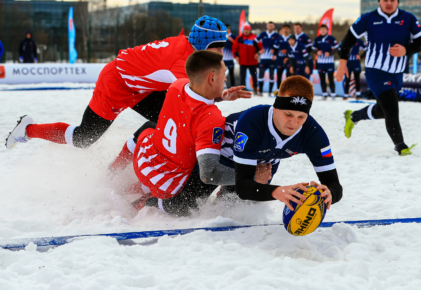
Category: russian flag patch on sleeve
[326,152]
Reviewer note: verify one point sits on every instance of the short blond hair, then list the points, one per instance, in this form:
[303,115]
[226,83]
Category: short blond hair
[296,86]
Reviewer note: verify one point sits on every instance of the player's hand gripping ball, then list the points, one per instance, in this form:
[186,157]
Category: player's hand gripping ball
[306,217]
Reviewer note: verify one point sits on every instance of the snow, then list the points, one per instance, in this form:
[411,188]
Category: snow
[54,190]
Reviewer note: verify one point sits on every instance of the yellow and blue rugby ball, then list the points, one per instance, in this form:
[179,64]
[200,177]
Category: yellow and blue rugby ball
[306,217]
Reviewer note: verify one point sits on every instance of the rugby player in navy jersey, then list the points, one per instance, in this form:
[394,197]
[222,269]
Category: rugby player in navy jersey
[266,134]
[281,45]
[325,46]
[228,56]
[389,31]
[298,57]
[266,62]
[306,41]
[354,66]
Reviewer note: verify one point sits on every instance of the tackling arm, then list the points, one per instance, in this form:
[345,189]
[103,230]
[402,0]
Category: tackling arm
[213,172]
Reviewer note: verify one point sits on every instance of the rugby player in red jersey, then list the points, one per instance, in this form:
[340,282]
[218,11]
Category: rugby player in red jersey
[177,159]
[138,79]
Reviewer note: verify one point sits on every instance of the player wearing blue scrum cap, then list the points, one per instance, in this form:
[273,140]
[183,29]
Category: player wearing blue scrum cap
[208,32]
[393,35]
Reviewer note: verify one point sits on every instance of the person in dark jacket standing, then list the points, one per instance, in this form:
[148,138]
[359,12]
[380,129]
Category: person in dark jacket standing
[246,55]
[28,49]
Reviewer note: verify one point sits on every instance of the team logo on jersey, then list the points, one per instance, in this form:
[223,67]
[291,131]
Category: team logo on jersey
[326,152]
[388,83]
[399,22]
[299,100]
[240,141]
[291,153]
[418,24]
[377,23]
[217,135]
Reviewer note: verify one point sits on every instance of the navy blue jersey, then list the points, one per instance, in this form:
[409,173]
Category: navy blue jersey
[326,44]
[304,39]
[227,51]
[281,43]
[256,140]
[382,32]
[298,52]
[267,39]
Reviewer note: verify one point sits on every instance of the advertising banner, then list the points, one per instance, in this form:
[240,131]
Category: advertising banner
[49,73]
[314,79]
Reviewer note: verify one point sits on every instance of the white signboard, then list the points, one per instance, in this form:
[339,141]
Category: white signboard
[49,73]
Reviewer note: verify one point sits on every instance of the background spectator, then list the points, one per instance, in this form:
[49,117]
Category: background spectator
[28,49]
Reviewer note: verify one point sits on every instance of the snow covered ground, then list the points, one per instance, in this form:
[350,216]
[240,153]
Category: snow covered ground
[54,190]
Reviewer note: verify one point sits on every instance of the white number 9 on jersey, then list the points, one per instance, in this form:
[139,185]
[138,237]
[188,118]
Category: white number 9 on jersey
[170,132]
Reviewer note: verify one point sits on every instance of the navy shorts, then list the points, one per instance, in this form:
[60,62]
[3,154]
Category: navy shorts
[229,64]
[354,66]
[300,70]
[267,63]
[380,81]
[325,67]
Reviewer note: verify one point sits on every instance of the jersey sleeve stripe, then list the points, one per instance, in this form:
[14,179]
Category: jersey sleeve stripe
[324,168]
[208,151]
[416,35]
[245,161]
[355,34]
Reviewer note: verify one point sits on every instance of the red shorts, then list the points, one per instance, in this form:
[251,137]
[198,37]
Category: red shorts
[111,95]
[163,178]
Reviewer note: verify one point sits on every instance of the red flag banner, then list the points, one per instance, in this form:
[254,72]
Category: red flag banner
[241,22]
[181,32]
[327,20]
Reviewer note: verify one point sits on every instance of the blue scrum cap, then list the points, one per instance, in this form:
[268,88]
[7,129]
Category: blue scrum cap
[208,32]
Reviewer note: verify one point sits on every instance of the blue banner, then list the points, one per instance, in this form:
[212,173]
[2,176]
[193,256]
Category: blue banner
[72,37]
[415,64]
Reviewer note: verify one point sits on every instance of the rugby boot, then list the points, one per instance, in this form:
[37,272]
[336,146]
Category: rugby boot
[403,149]
[18,134]
[349,124]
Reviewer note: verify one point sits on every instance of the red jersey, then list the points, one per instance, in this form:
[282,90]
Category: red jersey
[154,66]
[189,125]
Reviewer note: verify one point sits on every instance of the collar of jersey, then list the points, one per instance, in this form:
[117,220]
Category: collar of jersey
[298,35]
[279,142]
[197,97]
[285,38]
[325,37]
[295,46]
[389,19]
[270,34]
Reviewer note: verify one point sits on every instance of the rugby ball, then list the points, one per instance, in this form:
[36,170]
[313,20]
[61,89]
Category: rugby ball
[306,217]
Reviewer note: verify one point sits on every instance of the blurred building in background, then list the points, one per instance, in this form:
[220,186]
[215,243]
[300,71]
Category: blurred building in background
[101,31]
